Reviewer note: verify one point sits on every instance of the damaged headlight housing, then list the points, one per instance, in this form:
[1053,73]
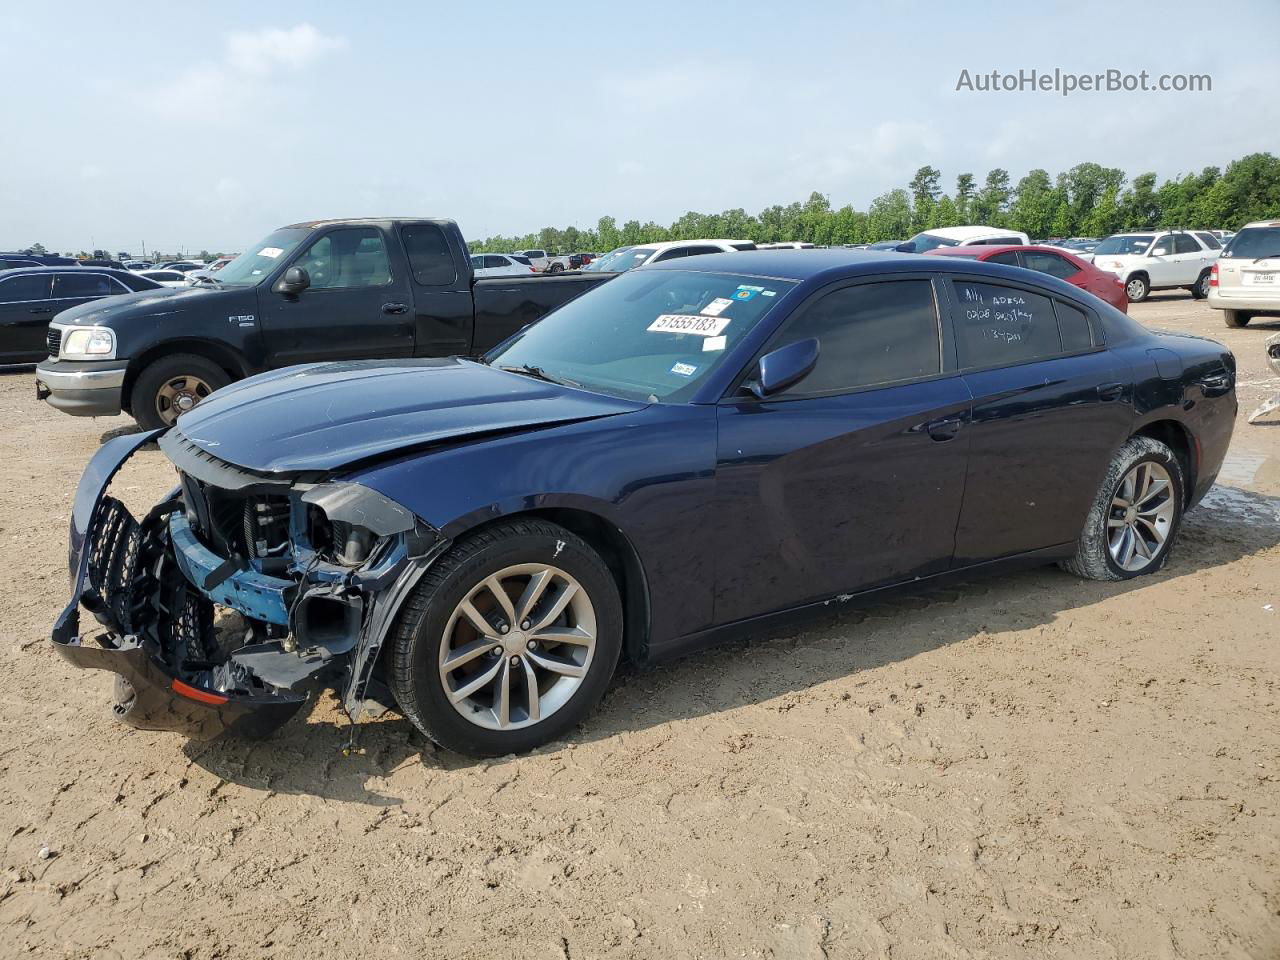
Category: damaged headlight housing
[89,343]
[358,517]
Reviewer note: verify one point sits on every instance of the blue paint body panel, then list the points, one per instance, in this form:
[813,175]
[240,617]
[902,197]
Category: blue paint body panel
[253,594]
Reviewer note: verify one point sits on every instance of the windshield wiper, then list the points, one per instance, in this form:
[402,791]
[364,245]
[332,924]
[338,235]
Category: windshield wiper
[529,370]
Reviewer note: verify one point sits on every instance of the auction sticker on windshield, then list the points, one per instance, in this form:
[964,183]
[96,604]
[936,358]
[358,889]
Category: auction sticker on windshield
[271,252]
[689,323]
[716,307]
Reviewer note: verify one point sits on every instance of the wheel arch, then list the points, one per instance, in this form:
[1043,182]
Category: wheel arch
[619,555]
[1177,437]
[225,357]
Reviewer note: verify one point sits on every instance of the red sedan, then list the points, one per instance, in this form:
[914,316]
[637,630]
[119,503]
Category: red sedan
[1056,263]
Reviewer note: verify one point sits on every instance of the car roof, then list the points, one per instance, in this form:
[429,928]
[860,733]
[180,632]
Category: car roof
[980,250]
[966,233]
[1261,223]
[668,244]
[830,264]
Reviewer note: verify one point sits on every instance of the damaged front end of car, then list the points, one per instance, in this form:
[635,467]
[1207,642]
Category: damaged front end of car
[315,567]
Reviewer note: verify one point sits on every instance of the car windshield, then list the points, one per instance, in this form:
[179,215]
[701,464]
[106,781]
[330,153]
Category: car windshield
[624,261]
[931,241]
[1254,243]
[1123,243]
[601,262]
[257,261]
[650,335]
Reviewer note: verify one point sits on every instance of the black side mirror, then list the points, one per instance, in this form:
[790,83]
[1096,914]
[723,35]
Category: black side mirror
[908,246]
[294,281]
[785,367]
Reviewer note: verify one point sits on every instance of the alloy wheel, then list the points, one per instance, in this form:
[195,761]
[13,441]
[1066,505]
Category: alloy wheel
[1141,516]
[518,646]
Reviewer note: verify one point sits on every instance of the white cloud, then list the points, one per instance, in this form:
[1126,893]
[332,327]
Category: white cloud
[250,62]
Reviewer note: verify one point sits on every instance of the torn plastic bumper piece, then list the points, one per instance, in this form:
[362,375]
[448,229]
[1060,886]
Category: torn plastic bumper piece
[150,698]
[105,567]
[253,594]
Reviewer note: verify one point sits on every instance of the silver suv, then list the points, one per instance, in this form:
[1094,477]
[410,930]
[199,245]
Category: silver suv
[1245,282]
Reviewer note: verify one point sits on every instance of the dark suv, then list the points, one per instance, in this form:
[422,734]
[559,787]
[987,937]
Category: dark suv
[30,296]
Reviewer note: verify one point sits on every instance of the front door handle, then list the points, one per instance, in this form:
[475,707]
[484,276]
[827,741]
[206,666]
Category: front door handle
[395,308]
[1111,391]
[944,429]
[39,310]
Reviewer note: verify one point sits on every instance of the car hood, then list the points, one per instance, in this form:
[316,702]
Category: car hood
[323,417]
[129,307]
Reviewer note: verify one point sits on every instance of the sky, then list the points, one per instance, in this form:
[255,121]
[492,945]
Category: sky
[208,126]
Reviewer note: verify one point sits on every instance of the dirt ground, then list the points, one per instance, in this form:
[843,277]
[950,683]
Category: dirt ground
[1030,766]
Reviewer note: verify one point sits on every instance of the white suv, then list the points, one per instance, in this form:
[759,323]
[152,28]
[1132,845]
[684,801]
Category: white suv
[1246,280]
[1159,260]
[971,236]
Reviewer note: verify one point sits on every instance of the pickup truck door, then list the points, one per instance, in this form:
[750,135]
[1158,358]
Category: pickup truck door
[357,307]
[25,312]
[443,306]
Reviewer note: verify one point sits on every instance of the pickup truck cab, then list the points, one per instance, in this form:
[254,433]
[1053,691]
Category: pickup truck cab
[317,291]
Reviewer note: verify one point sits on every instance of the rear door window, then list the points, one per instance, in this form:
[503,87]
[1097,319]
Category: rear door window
[999,326]
[1009,256]
[70,286]
[1209,240]
[429,256]
[1185,243]
[24,289]
[1050,263]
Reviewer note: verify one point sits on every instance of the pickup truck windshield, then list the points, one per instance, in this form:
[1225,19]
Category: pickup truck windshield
[257,261]
[650,335]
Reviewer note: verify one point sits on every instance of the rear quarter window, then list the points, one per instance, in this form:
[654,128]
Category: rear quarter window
[430,259]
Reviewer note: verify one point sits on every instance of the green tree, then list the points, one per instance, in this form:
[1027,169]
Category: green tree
[37,249]
[924,188]
[889,217]
[1139,205]
[992,200]
[964,195]
[607,232]
[1033,205]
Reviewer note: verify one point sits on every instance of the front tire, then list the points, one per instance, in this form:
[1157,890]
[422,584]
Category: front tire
[556,268]
[1135,518]
[1137,288]
[508,641]
[170,386]
[1235,318]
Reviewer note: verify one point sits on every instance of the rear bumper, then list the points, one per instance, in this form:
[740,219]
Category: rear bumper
[1249,304]
[82,389]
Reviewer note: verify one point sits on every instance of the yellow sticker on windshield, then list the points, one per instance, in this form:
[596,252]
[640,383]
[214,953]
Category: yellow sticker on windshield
[689,323]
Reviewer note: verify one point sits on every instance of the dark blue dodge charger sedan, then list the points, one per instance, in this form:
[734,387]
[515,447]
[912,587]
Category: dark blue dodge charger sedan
[690,451]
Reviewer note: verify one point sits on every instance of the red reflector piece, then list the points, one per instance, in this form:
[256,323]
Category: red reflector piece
[195,693]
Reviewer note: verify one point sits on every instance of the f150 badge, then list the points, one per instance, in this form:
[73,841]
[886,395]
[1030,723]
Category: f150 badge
[245,321]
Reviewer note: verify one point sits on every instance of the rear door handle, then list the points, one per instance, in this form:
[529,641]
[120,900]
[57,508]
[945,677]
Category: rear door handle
[41,310]
[944,429]
[1111,391]
[395,308]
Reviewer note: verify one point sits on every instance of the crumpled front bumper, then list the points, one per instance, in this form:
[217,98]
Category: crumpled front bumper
[104,561]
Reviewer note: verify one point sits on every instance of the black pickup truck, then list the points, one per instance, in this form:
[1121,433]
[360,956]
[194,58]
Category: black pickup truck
[325,290]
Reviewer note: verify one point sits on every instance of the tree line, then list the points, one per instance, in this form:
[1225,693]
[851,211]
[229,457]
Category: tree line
[1087,200]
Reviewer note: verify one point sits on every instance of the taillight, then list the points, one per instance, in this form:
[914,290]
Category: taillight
[1213,276]
[531,270]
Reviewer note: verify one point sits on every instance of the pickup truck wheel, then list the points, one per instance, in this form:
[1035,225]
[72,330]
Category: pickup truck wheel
[1135,517]
[1235,318]
[556,268]
[508,640]
[170,386]
[1136,288]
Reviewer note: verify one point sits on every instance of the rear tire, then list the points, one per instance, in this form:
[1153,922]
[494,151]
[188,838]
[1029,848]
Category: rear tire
[168,387]
[1201,288]
[1137,288]
[1142,492]
[1235,318]
[556,268]
[564,679]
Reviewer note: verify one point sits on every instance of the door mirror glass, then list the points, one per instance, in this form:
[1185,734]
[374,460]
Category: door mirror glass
[785,367]
[294,281]
[908,246]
